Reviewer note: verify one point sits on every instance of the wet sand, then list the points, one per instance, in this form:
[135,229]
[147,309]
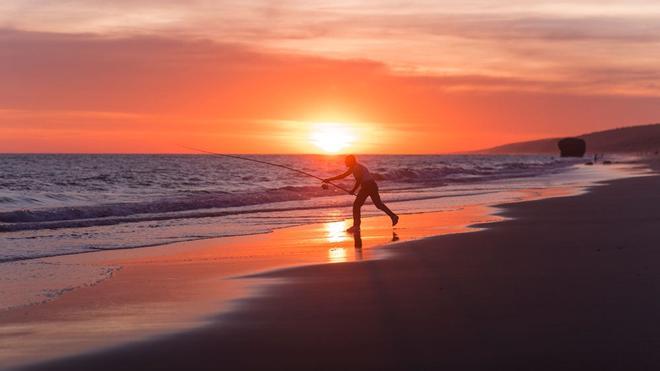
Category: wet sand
[167,289]
[567,283]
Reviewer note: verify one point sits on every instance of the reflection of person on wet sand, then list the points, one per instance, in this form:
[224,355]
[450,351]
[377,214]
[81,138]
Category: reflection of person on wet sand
[357,243]
[357,239]
[368,188]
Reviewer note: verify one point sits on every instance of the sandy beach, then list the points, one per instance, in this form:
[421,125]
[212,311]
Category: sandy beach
[564,283]
[167,289]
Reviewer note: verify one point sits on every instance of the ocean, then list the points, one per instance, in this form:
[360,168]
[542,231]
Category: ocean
[53,205]
[63,204]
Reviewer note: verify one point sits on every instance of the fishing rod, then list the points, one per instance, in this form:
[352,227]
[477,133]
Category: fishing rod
[271,164]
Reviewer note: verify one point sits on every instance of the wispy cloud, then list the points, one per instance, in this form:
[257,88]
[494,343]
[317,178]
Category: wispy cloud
[481,65]
[513,39]
[99,86]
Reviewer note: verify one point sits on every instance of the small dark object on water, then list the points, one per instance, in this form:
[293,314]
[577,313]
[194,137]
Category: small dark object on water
[589,163]
[607,162]
[572,147]
[324,186]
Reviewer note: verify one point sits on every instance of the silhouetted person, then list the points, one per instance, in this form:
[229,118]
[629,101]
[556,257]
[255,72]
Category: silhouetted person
[368,188]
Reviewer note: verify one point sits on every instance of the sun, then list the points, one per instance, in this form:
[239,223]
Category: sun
[331,137]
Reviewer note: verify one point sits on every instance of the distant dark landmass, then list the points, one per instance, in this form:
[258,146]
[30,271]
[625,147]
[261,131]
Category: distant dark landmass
[632,139]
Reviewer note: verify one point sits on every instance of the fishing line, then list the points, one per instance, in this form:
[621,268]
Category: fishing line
[267,163]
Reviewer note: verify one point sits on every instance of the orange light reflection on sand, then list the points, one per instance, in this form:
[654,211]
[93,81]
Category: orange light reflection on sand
[336,231]
[337,255]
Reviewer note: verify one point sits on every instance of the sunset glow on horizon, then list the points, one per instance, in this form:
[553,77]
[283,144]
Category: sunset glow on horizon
[332,137]
[258,77]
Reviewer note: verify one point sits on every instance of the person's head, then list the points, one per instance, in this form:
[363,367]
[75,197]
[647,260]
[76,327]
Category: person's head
[350,161]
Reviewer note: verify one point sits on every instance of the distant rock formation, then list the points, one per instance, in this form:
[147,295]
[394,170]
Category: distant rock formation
[572,147]
[633,139]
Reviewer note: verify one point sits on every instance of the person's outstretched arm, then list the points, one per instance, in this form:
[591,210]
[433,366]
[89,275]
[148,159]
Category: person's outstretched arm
[340,176]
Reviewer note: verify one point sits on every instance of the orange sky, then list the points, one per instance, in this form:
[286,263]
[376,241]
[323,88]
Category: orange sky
[255,76]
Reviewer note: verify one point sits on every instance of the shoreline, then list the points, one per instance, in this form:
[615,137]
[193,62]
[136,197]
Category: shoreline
[199,223]
[236,289]
[187,284]
[581,298]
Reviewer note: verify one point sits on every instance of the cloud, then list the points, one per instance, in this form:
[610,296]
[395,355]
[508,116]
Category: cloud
[155,74]
[118,91]
[513,39]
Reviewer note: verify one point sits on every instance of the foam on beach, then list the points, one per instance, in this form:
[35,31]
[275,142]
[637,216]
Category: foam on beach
[62,204]
[168,288]
[35,281]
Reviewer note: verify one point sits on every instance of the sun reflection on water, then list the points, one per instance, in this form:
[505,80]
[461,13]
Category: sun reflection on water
[336,231]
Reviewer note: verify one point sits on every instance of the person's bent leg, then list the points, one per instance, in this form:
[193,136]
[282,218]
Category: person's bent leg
[375,197]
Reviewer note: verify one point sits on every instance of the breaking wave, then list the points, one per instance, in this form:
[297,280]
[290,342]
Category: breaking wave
[102,190]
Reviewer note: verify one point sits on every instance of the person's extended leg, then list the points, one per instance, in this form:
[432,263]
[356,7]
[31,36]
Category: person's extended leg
[375,197]
[357,206]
